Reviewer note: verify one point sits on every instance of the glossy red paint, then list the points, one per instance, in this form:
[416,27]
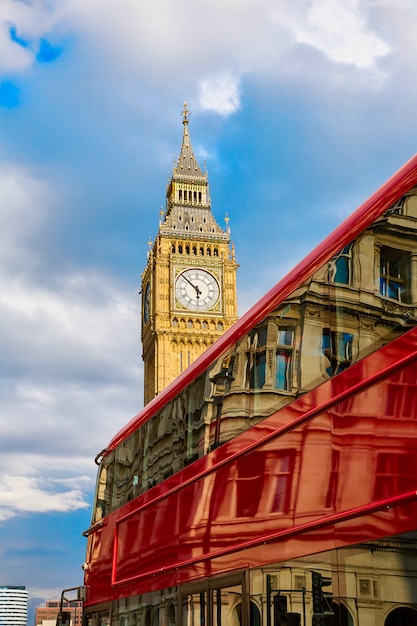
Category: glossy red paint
[391,191]
[314,476]
[197,523]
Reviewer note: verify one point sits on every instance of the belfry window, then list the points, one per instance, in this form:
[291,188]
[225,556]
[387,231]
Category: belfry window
[180,195]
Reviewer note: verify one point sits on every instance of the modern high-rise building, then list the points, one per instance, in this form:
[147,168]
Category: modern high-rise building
[13,605]
[189,284]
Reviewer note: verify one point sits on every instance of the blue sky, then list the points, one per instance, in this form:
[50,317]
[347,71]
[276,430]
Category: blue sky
[301,110]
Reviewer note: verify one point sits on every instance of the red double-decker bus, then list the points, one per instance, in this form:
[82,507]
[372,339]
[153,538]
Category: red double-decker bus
[275,481]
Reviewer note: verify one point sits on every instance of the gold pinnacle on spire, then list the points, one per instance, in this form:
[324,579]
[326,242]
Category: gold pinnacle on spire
[185,114]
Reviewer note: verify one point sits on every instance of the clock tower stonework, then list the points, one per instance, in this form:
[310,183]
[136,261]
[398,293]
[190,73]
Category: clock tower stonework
[189,284]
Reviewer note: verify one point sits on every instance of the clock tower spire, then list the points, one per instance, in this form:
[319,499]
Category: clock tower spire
[189,283]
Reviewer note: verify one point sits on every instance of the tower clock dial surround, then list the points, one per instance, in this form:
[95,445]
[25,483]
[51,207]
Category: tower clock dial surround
[197,289]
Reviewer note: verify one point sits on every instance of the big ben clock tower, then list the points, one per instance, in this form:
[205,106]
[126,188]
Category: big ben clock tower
[189,283]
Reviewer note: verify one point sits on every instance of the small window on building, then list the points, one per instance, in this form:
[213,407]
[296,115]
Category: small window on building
[216,252]
[256,358]
[284,359]
[398,207]
[180,195]
[395,274]
[338,349]
[340,266]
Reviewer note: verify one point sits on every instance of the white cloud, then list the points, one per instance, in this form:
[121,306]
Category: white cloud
[69,359]
[340,30]
[24,494]
[30,21]
[220,94]
[24,201]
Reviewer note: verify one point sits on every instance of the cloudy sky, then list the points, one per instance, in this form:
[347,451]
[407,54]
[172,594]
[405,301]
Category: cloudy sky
[301,109]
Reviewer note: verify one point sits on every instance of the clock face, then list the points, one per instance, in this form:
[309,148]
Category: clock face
[147,304]
[197,289]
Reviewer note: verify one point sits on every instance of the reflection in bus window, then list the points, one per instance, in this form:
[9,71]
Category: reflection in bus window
[360,300]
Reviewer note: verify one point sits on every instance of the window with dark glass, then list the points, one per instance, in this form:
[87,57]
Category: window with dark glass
[250,480]
[284,471]
[398,207]
[284,359]
[395,274]
[340,266]
[337,348]
[256,358]
[393,474]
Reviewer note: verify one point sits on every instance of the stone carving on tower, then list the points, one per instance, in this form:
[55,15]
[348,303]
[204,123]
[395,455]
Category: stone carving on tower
[189,283]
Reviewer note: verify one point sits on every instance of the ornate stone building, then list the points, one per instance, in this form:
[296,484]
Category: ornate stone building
[189,284]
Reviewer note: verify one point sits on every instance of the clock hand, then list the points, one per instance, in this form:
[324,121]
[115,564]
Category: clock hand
[197,290]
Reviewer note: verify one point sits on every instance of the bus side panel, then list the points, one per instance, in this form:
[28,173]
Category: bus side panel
[340,472]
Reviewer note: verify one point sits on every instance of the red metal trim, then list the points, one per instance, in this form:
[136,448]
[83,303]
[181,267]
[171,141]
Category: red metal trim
[322,522]
[382,199]
[309,415]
